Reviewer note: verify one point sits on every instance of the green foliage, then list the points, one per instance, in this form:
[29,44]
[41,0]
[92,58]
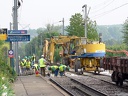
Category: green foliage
[57,57]
[35,46]
[1,42]
[92,30]
[76,27]
[111,42]
[21,50]
[110,32]
[5,86]
[7,75]
[125,32]
[7,71]
[116,48]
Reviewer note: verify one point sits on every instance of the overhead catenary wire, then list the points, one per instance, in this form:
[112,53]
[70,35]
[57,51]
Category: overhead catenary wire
[109,11]
[103,7]
[24,26]
[106,1]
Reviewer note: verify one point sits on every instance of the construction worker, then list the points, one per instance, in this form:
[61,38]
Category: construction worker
[23,66]
[42,64]
[28,65]
[54,69]
[62,69]
[36,66]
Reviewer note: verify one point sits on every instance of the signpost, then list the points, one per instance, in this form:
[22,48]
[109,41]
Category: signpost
[10,53]
[18,36]
[17,32]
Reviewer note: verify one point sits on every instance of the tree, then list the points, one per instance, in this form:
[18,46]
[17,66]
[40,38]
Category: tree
[76,27]
[92,33]
[125,32]
[36,43]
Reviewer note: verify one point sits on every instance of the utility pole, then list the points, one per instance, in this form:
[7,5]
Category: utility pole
[63,25]
[11,59]
[41,42]
[10,41]
[15,27]
[85,19]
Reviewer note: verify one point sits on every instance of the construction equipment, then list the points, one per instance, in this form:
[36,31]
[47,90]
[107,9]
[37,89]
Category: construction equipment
[49,46]
[88,55]
[78,52]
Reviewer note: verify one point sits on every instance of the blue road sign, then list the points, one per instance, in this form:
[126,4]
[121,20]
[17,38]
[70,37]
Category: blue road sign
[18,38]
[17,31]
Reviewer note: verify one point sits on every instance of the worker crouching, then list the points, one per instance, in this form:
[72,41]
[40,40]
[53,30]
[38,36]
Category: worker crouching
[62,69]
[36,68]
[54,70]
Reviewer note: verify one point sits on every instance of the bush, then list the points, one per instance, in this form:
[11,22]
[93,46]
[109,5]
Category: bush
[5,87]
[7,74]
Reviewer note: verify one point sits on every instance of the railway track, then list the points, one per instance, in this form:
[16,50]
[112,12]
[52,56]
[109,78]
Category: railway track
[75,88]
[102,76]
[77,85]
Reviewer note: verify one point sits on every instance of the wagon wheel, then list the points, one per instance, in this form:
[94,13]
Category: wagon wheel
[120,78]
[121,82]
[94,72]
[113,76]
[117,82]
[82,71]
[97,70]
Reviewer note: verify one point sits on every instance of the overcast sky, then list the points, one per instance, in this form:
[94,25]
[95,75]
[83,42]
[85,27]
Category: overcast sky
[37,13]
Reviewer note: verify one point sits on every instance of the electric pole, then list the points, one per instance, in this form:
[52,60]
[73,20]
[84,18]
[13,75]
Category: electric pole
[85,19]
[15,27]
[41,42]
[11,59]
[63,25]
